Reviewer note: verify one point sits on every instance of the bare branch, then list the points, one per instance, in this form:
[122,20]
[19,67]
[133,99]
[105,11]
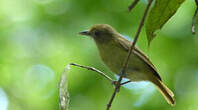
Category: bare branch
[95,70]
[125,82]
[123,71]
[133,4]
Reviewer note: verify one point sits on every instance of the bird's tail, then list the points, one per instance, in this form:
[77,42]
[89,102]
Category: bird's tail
[165,91]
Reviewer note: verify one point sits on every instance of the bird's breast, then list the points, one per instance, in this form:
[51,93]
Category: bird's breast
[112,56]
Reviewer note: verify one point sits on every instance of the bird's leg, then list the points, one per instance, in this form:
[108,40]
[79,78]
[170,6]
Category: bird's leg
[114,82]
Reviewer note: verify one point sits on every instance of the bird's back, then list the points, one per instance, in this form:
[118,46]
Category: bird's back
[113,54]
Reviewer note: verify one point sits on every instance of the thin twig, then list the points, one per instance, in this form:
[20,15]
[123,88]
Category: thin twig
[133,4]
[95,70]
[195,18]
[123,71]
[125,82]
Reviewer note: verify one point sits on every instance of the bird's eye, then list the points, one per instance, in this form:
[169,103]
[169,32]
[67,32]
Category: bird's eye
[96,33]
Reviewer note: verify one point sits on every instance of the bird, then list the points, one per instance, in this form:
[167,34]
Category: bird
[113,49]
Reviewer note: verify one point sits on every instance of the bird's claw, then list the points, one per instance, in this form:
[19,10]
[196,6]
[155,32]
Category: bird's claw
[115,83]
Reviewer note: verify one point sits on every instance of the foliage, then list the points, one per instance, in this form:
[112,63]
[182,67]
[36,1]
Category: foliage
[38,37]
[162,11]
[63,90]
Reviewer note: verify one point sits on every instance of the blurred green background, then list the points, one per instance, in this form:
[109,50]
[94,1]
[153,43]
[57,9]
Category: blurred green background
[38,38]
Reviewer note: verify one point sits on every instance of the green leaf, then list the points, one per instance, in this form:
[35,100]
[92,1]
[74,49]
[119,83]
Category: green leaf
[162,11]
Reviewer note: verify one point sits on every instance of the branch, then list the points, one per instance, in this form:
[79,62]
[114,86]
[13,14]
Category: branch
[125,82]
[195,18]
[133,4]
[95,70]
[123,71]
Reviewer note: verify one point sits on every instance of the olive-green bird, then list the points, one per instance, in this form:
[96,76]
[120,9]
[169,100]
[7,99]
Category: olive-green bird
[113,49]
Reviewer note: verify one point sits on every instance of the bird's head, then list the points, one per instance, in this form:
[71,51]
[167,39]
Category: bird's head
[100,32]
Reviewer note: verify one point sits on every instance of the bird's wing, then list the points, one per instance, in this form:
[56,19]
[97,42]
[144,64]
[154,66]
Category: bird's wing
[126,45]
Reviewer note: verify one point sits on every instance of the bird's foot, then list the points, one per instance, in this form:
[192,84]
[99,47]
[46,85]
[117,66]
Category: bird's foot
[117,85]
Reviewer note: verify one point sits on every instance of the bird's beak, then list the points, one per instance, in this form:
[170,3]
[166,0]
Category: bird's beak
[86,33]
